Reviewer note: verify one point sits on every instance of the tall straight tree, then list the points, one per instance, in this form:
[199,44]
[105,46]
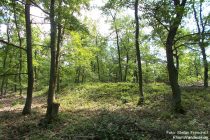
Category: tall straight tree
[27,107]
[20,51]
[138,54]
[172,71]
[51,106]
[201,25]
[118,48]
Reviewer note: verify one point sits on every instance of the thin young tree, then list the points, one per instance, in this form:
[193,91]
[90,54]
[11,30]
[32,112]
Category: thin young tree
[201,26]
[138,54]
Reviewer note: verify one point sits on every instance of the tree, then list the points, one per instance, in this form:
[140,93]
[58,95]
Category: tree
[112,8]
[27,107]
[138,55]
[172,71]
[52,108]
[201,26]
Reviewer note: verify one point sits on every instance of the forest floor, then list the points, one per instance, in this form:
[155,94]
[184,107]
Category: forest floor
[109,111]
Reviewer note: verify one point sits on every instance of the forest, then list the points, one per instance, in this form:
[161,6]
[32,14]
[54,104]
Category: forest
[104,69]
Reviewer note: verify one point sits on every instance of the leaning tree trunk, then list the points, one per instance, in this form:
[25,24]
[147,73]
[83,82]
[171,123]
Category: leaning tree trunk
[52,108]
[27,107]
[172,71]
[138,55]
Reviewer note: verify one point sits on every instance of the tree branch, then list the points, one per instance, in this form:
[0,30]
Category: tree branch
[11,44]
[36,5]
[185,45]
[12,74]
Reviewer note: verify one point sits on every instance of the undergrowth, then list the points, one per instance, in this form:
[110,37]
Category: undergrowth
[109,111]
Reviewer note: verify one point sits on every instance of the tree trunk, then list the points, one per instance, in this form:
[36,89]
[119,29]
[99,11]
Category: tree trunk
[27,107]
[4,67]
[50,114]
[127,65]
[98,68]
[35,71]
[138,55]
[20,45]
[177,62]
[78,72]
[59,41]
[172,71]
[57,54]
[118,50]
[97,61]
[205,63]
[201,31]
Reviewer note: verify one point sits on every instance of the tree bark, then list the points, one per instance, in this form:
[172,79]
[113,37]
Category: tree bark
[138,55]
[50,101]
[27,107]
[172,71]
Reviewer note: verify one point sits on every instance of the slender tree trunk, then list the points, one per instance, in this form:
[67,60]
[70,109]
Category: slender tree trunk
[78,73]
[118,49]
[127,65]
[27,107]
[205,63]
[20,71]
[59,41]
[83,76]
[52,108]
[58,81]
[119,55]
[138,55]
[4,67]
[4,62]
[172,71]
[20,51]
[201,31]
[97,61]
[35,71]
[15,85]
[98,68]
[58,54]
